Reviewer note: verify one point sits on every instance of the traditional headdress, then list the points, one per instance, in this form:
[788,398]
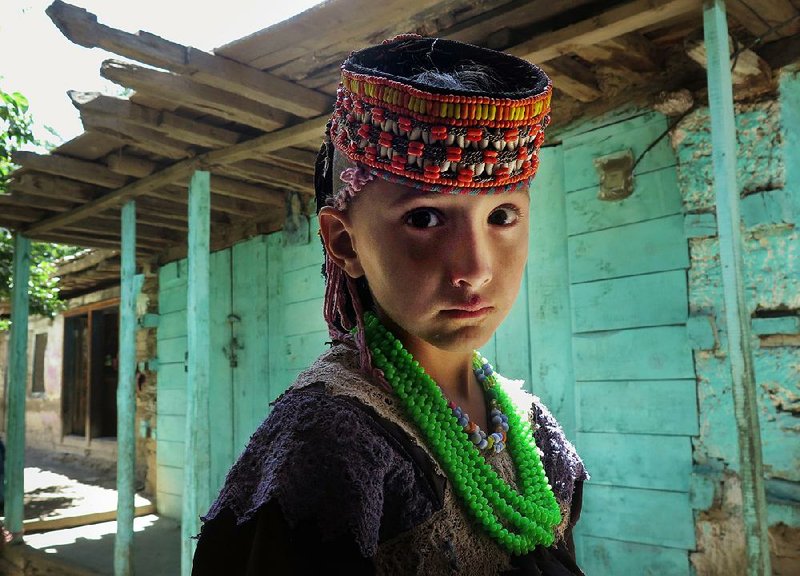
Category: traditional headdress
[398,117]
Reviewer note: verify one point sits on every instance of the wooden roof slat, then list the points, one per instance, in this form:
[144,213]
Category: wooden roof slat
[138,136]
[82,28]
[206,99]
[510,15]
[84,262]
[47,186]
[342,23]
[33,201]
[130,165]
[70,168]
[270,174]
[614,22]
[219,203]
[631,51]
[244,191]
[758,16]
[167,123]
[573,78]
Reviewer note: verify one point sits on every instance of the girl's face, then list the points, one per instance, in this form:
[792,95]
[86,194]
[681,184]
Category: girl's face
[442,269]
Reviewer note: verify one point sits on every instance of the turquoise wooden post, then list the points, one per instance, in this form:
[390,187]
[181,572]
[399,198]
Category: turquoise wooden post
[17,387]
[737,316]
[196,482]
[131,283]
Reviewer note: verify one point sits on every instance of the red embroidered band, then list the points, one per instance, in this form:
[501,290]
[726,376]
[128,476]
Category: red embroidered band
[459,143]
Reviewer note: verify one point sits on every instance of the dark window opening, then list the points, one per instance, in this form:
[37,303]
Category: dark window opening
[39,350]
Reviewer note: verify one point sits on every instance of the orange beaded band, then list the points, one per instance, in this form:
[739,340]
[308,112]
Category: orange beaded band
[460,141]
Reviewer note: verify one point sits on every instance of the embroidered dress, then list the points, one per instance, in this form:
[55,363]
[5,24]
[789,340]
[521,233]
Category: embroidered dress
[338,477]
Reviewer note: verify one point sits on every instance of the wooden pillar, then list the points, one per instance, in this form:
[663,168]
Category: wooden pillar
[737,315]
[131,283]
[17,388]
[197,473]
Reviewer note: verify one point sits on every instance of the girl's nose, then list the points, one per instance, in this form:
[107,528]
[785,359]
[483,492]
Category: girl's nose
[470,258]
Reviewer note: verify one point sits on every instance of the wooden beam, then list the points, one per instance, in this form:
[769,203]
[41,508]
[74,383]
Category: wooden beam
[33,201]
[736,310]
[760,16]
[266,143]
[205,99]
[614,22]
[17,390]
[130,165]
[244,191]
[167,123]
[85,261]
[137,136]
[197,479]
[269,174]
[47,186]
[82,28]
[130,285]
[573,78]
[79,170]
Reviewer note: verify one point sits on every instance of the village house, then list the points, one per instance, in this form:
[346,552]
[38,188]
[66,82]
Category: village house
[663,335]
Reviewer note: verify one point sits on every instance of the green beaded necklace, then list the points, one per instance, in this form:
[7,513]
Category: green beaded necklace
[517,520]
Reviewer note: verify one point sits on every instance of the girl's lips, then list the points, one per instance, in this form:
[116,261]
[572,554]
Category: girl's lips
[467,312]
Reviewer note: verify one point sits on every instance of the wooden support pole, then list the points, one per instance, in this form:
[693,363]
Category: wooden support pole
[196,474]
[126,395]
[737,316]
[17,388]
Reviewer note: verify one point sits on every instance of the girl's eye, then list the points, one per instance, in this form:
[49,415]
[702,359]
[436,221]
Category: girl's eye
[504,216]
[423,218]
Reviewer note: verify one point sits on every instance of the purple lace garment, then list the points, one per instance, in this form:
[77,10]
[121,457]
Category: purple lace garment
[315,445]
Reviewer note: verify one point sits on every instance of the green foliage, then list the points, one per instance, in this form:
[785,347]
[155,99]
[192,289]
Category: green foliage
[15,132]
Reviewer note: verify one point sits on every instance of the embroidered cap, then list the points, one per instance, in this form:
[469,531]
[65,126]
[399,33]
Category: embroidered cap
[392,116]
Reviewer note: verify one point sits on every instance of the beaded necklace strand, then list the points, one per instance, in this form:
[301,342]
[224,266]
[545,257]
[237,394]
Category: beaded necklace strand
[518,520]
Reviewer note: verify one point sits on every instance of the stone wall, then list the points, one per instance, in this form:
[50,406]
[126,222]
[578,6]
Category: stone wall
[769,184]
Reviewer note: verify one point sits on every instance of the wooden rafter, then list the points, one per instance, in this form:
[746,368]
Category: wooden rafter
[81,27]
[614,22]
[200,97]
[70,168]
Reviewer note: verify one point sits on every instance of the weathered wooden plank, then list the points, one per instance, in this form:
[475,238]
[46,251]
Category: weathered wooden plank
[653,517]
[767,20]
[614,22]
[17,388]
[260,193]
[650,461]
[172,324]
[46,186]
[631,302]
[138,137]
[652,246]
[271,174]
[304,283]
[651,407]
[131,284]
[737,316]
[170,479]
[549,303]
[170,274]
[608,556]
[660,353]
[82,28]
[655,195]
[172,298]
[303,317]
[250,299]
[200,97]
[171,428]
[298,256]
[170,453]
[171,375]
[221,330]
[573,78]
[636,134]
[80,170]
[196,488]
[302,349]
[172,402]
[276,345]
[512,358]
[168,505]
[290,136]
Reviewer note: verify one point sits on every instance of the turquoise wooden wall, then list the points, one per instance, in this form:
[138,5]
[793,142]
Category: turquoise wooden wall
[266,296]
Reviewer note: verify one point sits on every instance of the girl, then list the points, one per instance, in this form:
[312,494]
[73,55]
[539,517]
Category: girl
[401,451]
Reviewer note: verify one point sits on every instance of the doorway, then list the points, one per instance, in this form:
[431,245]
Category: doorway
[89,392]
